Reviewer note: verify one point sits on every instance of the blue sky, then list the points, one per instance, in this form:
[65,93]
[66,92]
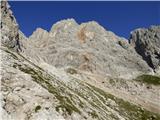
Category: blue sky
[119,17]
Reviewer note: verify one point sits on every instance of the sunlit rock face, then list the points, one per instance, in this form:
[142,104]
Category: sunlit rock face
[72,72]
[87,47]
[147,44]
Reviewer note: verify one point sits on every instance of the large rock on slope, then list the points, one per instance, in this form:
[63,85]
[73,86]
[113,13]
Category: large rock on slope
[147,44]
[86,47]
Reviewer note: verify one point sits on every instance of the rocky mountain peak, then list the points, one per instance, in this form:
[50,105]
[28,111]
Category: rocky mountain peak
[93,25]
[76,72]
[87,47]
[63,25]
[39,33]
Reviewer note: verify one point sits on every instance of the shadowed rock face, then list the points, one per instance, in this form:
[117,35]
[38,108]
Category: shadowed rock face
[147,44]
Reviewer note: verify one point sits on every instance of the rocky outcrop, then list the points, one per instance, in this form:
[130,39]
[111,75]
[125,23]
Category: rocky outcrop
[147,44]
[9,28]
[11,36]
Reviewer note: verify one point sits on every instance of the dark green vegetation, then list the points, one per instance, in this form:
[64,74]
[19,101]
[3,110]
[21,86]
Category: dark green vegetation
[44,81]
[149,79]
[38,107]
[12,54]
[71,71]
[77,95]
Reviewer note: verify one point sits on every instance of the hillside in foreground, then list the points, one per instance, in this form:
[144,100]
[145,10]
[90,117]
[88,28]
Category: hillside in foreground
[78,72]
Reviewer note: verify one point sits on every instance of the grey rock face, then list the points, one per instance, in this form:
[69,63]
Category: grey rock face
[147,44]
[32,88]
[86,47]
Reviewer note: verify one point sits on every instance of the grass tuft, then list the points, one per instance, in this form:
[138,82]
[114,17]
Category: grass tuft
[149,79]
[38,107]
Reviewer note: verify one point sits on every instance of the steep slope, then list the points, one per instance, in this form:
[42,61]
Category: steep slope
[86,47]
[147,44]
[34,89]
[33,94]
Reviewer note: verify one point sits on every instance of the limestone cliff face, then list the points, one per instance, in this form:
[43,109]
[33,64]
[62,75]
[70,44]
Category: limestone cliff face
[72,72]
[147,44]
[87,47]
